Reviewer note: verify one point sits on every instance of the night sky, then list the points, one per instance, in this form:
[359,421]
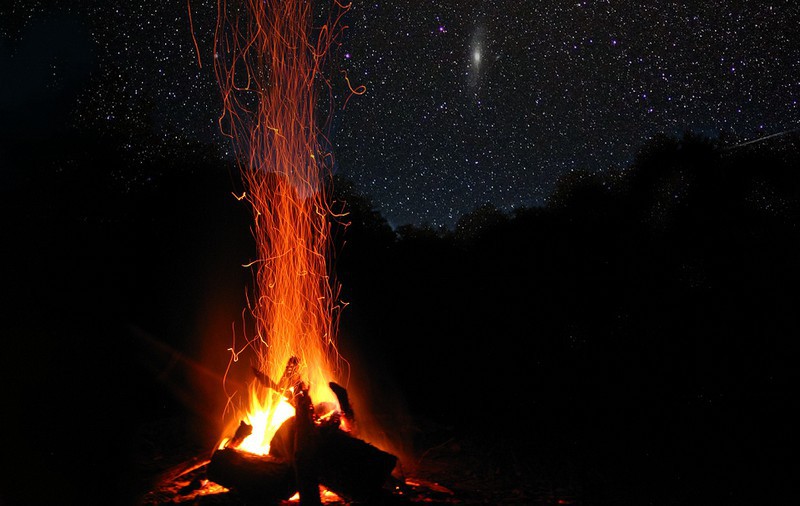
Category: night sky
[468,102]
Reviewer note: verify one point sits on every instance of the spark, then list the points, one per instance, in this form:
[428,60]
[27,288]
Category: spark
[270,71]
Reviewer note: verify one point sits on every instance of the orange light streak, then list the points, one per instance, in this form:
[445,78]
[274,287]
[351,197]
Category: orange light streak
[358,90]
[269,64]
[191,30]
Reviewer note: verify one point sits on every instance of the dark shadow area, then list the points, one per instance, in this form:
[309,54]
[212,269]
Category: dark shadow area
[637,331]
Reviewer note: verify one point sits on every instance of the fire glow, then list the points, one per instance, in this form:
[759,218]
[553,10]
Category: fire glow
[269,65]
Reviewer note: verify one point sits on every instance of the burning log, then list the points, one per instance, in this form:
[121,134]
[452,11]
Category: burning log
[306,447]
[260,478]
[348,415]
[346,465]
[242,432]
[290,381]
[351,467]
[305,453]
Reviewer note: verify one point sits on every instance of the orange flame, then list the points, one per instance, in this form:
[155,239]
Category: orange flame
[268,62]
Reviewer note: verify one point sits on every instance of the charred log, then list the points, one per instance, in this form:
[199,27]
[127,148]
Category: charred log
[306,448]
[344,403]
[241,434]
[351,467]
[289,382]
[261,478]
[324,415]
[282,444]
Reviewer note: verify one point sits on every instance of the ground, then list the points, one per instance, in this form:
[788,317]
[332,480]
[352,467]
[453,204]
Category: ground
[459,469]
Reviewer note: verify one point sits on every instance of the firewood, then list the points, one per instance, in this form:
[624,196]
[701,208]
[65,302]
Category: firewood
[282,444]
[344,404]
[289,382]
[241,434]
[260,478]
[346,465]
[306,447]
[305,454]
[352,468]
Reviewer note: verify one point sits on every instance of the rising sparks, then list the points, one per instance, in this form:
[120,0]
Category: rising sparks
[269,65]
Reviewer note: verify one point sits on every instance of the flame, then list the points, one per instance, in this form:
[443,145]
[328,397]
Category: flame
[269,65]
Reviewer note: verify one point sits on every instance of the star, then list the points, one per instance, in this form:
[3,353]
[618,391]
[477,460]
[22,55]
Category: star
[531,92]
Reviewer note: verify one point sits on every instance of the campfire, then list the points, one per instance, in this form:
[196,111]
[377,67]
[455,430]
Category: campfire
[315,456]
[293,433]
[315,446]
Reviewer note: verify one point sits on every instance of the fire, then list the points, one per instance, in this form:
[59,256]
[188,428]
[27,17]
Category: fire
[265,420]
[269,64]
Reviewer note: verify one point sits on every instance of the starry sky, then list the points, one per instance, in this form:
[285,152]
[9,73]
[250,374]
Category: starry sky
[468,102]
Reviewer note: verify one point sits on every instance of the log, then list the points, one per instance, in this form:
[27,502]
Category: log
[306,446]
[352,468]
[343,398]
[289,380]
[348,415]
[259,478]
[304,454]
[241,434]
[281,446]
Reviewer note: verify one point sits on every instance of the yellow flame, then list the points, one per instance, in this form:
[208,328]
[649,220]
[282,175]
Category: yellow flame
[265,420]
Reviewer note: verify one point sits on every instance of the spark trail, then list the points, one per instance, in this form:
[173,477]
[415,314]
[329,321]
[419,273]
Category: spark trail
[269,62]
